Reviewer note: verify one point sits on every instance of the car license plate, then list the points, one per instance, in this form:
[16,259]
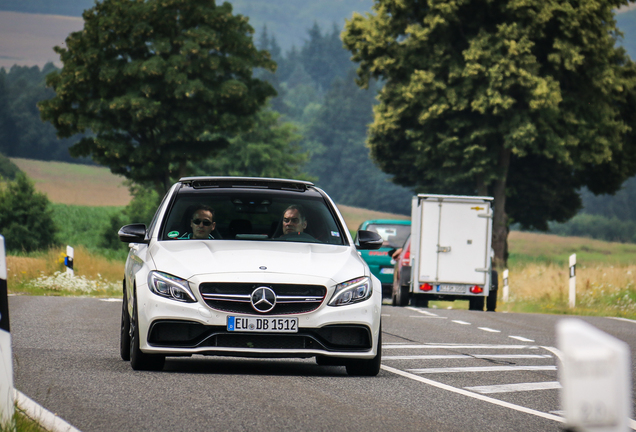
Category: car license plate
[387,270]
[451,288]
[269,324]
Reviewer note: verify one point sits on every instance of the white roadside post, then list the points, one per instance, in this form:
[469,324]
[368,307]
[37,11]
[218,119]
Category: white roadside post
[506,288]
[595,374]
[572,295]
[68,261]
[6,359]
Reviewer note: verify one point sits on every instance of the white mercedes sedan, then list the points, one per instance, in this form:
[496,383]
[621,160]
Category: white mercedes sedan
[249,267]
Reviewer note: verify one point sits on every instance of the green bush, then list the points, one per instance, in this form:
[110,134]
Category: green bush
[141,209]
[597,227]
[26,219]
[8,169]
[82,225]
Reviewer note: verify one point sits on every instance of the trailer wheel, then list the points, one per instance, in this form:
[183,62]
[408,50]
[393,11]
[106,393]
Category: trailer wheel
[402,295]
[476,303]
[491,302]
[420,301]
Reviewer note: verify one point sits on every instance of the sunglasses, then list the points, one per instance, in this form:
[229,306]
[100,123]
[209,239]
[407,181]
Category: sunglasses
[204,221]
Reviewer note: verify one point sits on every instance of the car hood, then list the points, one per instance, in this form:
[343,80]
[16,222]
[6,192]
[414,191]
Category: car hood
[188,259]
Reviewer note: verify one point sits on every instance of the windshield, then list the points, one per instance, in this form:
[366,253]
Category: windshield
[251,215]
[393,236]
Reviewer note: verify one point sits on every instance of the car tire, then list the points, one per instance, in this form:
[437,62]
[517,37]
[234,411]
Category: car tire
[402,296]
[491,301]
[476,303]
[364,367]
[124,335]
[138,359]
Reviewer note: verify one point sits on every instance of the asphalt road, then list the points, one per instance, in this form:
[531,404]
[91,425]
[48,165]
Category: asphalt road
[443,370]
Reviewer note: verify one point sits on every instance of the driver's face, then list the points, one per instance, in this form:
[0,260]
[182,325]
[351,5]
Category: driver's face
[205,225]
[292,223]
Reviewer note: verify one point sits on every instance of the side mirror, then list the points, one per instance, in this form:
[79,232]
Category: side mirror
[133,233]
[368,240]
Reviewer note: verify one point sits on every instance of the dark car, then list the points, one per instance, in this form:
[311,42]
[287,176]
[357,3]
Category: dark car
[393,233]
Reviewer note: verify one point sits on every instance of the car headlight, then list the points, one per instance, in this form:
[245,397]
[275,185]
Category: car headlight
[171,287]
[353,291]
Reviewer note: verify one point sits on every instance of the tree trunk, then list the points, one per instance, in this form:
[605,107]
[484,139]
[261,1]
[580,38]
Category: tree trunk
[500,218]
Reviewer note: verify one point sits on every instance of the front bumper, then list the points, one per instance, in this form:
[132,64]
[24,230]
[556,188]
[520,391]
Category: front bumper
[180,329]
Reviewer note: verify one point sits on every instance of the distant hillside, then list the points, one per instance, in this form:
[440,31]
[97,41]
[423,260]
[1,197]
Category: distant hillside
[627,23]
[94,186]
[288,20]
[29,40]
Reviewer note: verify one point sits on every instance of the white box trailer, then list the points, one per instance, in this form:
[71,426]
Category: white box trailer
[451,251]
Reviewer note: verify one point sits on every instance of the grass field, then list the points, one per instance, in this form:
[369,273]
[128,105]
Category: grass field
[28,39]
[538,263]
[76,184]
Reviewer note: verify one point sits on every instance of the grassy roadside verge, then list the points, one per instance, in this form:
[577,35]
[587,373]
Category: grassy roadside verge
[22,423]
[539,278]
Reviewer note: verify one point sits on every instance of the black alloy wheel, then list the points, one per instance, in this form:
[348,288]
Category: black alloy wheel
[138,359]
[124,335]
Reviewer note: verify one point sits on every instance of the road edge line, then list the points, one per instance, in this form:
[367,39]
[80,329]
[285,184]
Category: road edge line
[473,395]
[41,415]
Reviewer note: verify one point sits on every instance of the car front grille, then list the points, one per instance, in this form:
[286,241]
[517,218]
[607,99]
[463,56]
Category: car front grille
[236,297]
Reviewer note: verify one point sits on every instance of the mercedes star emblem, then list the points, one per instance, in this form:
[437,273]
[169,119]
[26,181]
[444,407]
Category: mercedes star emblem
[263,299]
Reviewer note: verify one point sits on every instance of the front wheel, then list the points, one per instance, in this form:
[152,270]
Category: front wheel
[138,359]
[124,335]
[366,367]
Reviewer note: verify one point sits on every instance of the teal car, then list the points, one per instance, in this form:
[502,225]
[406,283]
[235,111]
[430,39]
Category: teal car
[394,233]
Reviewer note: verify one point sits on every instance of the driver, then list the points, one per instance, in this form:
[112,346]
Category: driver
[294,221]
[202,223]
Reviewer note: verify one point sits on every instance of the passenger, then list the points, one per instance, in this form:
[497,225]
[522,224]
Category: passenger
[294,221]
[202,223]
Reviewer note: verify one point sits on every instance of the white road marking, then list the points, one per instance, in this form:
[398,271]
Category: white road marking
[427,317]
[519,387]
[473,395]
[115,300]
[521,338]
[623,319]
[466,356]
[481,369]
[489,330]
[461,322]
[458,346]
[423,312]
[41,415]
[385,315]
[554,351]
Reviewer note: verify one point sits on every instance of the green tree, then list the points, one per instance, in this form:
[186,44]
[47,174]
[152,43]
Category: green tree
[474,88]
[140,209]
[25,216]
[339,156]
[8,170]
[268,149]
[156,83]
